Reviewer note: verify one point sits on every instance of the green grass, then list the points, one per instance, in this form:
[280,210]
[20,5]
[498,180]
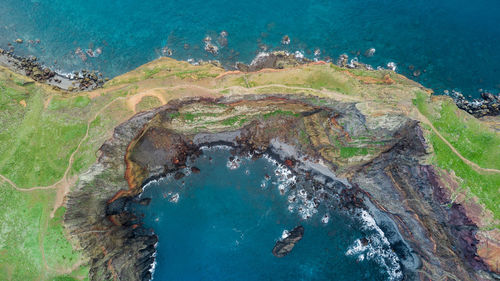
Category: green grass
[233,121]
[327,80]
[485,187]
[190,117]
[58,251]
[24,217]
[475,141]
[303,137]
[35,143]
[148,73]
[472,140]
[196,73]
[279,113]
[148,102]
[348,152]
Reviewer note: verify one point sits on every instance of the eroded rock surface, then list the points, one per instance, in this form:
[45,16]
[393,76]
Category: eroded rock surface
[379,156]
[284,246]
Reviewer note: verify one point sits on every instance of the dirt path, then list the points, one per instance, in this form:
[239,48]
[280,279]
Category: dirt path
[135,99]
[466,161]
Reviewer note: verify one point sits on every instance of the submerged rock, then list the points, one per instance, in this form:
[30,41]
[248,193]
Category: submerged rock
[179,175]
[285,246]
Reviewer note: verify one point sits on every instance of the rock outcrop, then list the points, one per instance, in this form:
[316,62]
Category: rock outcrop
[284,246]
[385,176]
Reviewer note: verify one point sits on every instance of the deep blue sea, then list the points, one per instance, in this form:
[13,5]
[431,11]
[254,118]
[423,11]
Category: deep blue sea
[222,224]
[454,44]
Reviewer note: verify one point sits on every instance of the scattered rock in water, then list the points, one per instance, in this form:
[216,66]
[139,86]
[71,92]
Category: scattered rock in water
[370,52]
[19,41]
[392,65]
[166,51]
[145,201]
[285,40]
[284,246]
[207,39]
[195,170]
[179,175]
[211,48]
[343,60]
[364,241]
[276,60]
[79,52]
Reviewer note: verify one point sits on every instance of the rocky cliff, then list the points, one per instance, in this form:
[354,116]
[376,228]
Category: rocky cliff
[365,127]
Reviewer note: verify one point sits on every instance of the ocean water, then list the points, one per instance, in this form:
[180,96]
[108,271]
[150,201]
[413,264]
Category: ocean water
[454,44]
[222,224]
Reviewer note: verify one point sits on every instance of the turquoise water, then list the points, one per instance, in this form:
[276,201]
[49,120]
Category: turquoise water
[456,42]
[226,220]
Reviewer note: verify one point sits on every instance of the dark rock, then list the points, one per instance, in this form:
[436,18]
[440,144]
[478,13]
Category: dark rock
[285,246]
[488,105]
[285,40]
[179,175]
[195,170]
[145,201]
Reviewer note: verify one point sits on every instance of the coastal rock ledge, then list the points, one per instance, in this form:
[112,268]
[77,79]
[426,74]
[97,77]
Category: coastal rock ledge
[382,155]
[284,246]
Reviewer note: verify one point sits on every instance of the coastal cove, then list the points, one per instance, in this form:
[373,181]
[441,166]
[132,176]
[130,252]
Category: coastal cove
[359,156]
[221,223]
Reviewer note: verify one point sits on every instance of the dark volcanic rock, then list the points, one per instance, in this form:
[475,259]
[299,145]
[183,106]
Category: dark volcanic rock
[285,246]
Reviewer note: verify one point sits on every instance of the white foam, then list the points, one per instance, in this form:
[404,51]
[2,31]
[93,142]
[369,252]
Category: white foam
[233,164]
[174,198]
[325,219]
[352,63]
[258,57]
[377,249]
[285,234]
[299,55]
[392,65]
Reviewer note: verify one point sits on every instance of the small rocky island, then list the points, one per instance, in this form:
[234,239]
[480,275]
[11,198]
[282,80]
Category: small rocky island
[284,246]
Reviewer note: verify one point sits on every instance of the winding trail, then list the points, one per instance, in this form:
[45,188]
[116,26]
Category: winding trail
[473,165]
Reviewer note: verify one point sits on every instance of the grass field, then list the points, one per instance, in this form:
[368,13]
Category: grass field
[473,140]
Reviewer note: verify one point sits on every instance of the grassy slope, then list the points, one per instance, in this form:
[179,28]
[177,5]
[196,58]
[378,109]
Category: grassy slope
[25,228]
[36,142]
[474,140]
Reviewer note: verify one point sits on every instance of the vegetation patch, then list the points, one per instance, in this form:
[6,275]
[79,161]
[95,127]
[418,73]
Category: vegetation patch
[280,112]
[348,152]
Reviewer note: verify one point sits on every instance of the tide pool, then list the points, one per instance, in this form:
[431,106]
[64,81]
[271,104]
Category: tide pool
[222,224]
[451,44]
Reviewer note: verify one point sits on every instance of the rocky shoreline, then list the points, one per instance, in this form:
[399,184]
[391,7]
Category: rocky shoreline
[30,66]
[431,234]
[488,105]
[85,80]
